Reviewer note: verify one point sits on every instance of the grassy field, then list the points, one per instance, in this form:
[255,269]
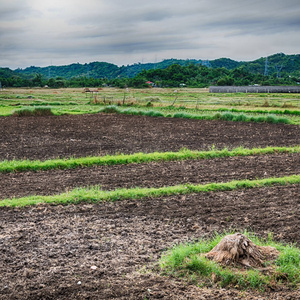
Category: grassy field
[195,101]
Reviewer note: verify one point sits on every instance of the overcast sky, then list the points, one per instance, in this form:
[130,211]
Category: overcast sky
[60,32]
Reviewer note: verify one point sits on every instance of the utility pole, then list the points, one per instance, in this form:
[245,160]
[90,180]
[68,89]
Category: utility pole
[266,67]
[49,70]
[278,69]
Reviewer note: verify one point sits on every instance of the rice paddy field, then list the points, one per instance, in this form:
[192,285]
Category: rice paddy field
[97,193]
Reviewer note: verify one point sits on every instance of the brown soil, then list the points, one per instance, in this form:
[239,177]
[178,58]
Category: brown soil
[84,135]
[46,252]
[156,174]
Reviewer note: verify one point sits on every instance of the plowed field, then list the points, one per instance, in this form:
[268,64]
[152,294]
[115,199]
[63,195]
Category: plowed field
[85,135]
[46,252]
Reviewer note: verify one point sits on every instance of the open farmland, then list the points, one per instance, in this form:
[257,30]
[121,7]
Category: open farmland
[47,251]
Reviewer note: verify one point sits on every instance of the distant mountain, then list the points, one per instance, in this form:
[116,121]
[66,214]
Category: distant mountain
[276,64]
[6,73]
[94,69]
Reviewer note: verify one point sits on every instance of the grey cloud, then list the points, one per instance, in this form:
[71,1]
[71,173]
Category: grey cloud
[14,10]
[118,30]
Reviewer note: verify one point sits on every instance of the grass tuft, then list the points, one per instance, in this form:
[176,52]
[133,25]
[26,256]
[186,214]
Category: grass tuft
[186,260]
[36,111]
[110,109]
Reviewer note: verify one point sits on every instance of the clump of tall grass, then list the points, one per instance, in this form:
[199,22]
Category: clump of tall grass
[182,115]
[187,260]
[131,111]
[153,113]
[36,111]
[110,109]
[227,116]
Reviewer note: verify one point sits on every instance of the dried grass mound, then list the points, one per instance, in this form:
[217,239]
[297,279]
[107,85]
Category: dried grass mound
[237,249]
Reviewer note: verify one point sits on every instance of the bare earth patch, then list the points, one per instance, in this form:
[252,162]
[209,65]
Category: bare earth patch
[46,252]
[99,134]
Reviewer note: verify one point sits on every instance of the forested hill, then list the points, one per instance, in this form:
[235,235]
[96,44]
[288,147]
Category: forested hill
[276,63]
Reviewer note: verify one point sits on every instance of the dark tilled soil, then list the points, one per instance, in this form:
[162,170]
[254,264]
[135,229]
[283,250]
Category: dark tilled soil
[156,174]
[46,252]
[98,134]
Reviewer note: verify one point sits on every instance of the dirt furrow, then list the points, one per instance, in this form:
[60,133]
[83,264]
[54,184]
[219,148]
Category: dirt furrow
[156,174]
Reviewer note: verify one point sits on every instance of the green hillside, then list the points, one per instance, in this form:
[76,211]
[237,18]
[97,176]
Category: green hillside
[281,70]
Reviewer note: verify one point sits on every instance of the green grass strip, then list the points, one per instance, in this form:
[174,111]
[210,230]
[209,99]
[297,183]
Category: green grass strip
[108,160]
[95,194]
[251,111]
[226,116]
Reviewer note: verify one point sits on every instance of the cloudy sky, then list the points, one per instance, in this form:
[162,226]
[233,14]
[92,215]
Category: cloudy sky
[59,32]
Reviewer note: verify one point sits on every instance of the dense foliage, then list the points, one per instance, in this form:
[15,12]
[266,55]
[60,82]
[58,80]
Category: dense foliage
[281,70]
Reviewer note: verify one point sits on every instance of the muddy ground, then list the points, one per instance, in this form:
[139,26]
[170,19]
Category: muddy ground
[46,252]
[98,134]
[155,174]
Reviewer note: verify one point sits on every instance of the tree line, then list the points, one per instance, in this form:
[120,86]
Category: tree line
[168,73]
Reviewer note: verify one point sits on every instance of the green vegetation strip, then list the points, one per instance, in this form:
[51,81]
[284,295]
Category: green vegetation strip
[234,110]
[225,116]
[185,260]
[95,194]
[184,154]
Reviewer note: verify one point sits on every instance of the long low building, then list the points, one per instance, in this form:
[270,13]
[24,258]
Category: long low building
[254,89]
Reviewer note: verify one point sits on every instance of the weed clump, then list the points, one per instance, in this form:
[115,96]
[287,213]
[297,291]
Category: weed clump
[36,111]
[153,113]
[275,265]
[110,109]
